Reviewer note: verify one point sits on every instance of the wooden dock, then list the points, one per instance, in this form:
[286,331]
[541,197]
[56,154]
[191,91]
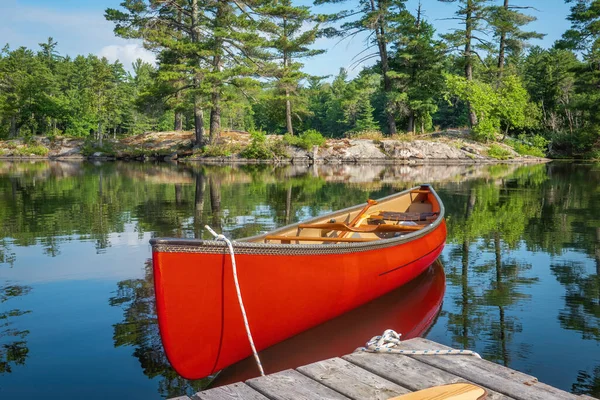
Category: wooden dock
[363,375]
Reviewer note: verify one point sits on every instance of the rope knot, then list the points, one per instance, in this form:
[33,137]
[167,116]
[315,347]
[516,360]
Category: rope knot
[389,339]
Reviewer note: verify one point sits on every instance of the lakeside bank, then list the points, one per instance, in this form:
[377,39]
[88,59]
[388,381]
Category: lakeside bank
[447,147]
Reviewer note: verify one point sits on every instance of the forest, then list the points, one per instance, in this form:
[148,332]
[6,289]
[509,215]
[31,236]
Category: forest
[238,65]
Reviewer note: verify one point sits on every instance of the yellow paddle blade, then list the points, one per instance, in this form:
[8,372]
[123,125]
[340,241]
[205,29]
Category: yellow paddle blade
[455,391]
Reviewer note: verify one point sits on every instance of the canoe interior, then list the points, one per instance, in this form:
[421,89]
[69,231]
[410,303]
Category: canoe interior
[414,202]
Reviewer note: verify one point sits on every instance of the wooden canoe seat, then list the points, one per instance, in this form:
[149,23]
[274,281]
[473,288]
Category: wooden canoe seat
[290,239]
[405,216]
[420,191]
[340,226]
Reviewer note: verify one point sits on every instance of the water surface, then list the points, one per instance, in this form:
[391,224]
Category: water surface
[77,315]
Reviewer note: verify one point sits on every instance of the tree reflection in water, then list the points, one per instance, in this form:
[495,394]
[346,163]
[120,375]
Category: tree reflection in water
[139,329]
[13,346]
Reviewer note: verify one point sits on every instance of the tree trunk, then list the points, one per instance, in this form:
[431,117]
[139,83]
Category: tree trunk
[100,134]
[198,121]
[13,127]
[288,103]
[215,116]
[411,123]
[178,124]
[468,55]
[387,82]
[198,112]
[502,48]
[215,111]
[288,112]
[178,121]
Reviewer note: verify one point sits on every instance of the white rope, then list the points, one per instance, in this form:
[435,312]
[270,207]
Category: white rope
[239,296]
[386,343]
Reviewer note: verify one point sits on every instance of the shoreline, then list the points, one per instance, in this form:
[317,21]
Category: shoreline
[452,147]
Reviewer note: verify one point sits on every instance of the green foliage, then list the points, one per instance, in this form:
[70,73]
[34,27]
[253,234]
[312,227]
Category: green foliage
[219,150]
[507,105]
[33,149]
[245,72]
[498,152]
[259,148]
[535,145]
[90,147]
[306,140]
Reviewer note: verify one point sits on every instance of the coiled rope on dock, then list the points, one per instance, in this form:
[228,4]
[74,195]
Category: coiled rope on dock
[220,237]
[387,342]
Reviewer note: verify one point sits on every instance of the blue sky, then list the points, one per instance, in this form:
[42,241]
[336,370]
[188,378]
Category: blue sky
[79,27]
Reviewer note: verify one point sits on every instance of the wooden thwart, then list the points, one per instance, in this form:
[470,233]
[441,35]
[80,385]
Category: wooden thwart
[290,239]
[340,226]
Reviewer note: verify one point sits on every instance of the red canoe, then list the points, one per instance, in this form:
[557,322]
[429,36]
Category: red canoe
[291,279]
[409,310]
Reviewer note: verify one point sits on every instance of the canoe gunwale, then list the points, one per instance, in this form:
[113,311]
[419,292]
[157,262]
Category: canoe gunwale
[246,246]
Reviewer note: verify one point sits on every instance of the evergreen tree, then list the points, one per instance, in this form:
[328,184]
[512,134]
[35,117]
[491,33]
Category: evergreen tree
[506,22]
[473,14]
[417,62]
[376,18]
[584,36]
[176,26]
[289,40]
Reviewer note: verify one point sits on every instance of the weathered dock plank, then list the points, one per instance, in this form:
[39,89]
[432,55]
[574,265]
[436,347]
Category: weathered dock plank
[380,376]
[485,373]
[351,380]
[292,385]
[230,392]
[408,372]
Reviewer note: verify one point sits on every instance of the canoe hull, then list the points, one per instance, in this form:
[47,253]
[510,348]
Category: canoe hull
[284,294]
[410,309]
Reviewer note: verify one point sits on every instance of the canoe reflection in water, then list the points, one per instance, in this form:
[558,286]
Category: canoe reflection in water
[411,310]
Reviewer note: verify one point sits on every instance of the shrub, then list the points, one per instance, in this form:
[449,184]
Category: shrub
[258,148]
[306,140]
[535,145]
[90,147]
[499,152]
[368,134]
[278,148]
[219,150]
[29,150]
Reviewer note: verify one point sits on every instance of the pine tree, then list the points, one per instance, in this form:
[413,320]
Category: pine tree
[584,36]
[289,41]
[473,14]
[506,22]
[365,120]
[375,17]
[418,62]
[177,26]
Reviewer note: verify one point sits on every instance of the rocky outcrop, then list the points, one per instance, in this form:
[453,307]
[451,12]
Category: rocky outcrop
[453,147]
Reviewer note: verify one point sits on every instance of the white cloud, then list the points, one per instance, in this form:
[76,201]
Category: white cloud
[77,31]
[126,54]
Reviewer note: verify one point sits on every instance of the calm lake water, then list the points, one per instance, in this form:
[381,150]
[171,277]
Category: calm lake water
[522,267]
